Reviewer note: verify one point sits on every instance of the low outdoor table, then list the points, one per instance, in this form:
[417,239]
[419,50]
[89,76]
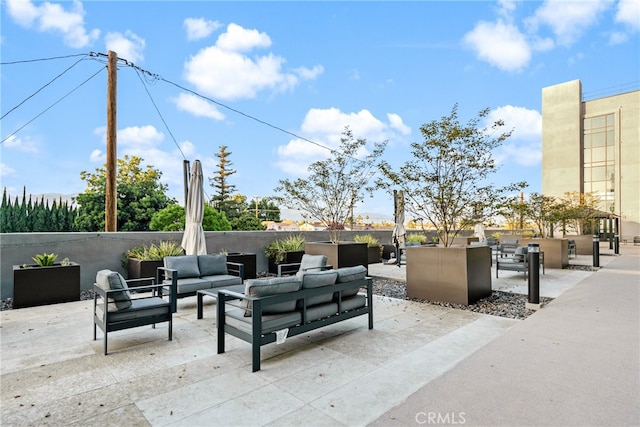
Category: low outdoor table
[214,294]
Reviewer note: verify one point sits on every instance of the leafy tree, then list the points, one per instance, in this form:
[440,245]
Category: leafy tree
[446,179]
[172,218]
[543,211]
[335,184]
[140,195]
[578,211]
[266,210]
[247,222]
[220,181]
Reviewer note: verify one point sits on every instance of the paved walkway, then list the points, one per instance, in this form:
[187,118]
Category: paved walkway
[574,362]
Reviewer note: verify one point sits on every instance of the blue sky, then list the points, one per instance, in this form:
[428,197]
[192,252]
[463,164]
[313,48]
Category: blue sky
[309,68]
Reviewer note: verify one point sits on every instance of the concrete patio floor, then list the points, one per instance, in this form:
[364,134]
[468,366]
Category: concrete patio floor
[53,373]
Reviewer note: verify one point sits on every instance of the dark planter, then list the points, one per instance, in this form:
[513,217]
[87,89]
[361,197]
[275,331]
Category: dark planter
[248,260]
[289,258]
[137,269]
[37,285]
[341,254]
[374,255]
[458,275]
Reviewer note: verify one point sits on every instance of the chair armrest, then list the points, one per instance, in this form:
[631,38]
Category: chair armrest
[162,275]
[236,269]
[292,267]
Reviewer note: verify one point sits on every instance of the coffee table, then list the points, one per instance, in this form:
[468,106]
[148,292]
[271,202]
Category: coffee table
[213,293]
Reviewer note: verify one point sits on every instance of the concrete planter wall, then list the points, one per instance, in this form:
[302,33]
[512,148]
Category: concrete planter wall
[465,241]
[584,244]
[556,251]
[37,285]
[458,275]
[341,254]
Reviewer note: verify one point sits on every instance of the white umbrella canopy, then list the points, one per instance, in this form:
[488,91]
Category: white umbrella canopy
[399,232]
[193,241]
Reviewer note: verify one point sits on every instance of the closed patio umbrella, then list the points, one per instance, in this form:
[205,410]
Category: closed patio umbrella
[478,230]
[399,232]
[193,241]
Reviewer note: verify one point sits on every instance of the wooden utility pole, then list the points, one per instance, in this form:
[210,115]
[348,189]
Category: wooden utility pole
[111,205]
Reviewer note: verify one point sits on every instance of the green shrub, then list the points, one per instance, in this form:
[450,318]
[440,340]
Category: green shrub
[276,249]
[371,241]
[155,252]
[416,238]
[45,260]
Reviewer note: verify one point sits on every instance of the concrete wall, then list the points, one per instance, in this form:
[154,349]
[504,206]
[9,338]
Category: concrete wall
[96,251]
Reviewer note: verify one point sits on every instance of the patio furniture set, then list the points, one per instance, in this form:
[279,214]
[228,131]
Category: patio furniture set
[258,311]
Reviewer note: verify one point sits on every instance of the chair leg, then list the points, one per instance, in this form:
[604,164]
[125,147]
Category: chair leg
[105,343]
[94,330]
[171,329]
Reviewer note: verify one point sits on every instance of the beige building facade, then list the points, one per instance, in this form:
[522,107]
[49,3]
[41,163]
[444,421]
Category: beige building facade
[593,147]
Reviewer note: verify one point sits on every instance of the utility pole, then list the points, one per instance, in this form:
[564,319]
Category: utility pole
[111,206]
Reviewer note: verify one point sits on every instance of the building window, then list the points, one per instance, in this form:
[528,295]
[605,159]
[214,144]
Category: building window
[598,159]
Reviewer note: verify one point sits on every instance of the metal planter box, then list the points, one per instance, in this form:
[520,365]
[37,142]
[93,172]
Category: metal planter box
[34,285]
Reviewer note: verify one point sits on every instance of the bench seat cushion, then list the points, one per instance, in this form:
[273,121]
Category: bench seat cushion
[319,279]
[270,322]
[142,307]
[349,274]
[111,280]
[220,280]
[353,302]
[190,285]
[268,287]
[211,265]
[186,265]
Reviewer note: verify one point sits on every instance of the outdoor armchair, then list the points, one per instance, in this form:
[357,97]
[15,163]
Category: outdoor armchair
[114,308]
[307,263]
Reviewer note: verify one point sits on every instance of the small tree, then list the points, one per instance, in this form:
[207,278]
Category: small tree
[220,181]
[334,185]
[543,211]
[445,181]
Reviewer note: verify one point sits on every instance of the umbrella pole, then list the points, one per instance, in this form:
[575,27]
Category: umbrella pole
[185,171]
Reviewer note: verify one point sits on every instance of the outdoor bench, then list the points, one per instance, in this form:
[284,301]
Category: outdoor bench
[508,246]
[196,272]
[272,309]
[519,262]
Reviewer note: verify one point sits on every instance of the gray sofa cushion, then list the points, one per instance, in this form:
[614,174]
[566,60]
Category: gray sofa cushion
[210,265]
[349,274]
[110,280]
[274,286]
[318,279]
[222,280]
[519,254]
[187,265]
[311,263]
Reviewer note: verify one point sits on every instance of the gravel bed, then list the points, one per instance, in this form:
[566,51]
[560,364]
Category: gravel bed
[501,304]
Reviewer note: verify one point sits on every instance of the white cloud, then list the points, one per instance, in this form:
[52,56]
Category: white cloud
[395,122]
[199,28]
[6,170]
[197,106]
[52,17]
[325,127]
[20,144]
[140,136]
[97,156]
[524,147]
[224,71]
[128,45]
[500,44]
[568,20]
[628,13]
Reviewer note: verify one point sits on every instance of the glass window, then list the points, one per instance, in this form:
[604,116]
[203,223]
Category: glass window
[598,154]
[598,173]
[586,141]
[587,156]
[610,120]
[586,125]
[610,154]
[598,139]
[598,122]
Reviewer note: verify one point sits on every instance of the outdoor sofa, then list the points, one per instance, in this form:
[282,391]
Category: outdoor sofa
[197,272]
[270,310]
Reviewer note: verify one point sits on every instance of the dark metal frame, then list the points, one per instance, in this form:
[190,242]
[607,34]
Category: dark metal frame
[107,324]
[257,339]
[509,264]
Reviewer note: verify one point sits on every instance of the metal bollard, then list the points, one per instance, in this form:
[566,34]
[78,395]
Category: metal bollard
[533,252]
[596,251]
[616,244]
